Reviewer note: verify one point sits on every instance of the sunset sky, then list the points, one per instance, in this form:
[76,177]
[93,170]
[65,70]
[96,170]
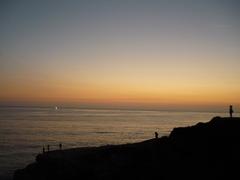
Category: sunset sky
[135,53]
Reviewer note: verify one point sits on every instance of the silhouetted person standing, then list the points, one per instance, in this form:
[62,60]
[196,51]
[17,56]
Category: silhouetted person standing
[60,146]
[231,110]
[156,135]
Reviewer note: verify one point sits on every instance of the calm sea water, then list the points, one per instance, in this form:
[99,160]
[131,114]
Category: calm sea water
[24,130]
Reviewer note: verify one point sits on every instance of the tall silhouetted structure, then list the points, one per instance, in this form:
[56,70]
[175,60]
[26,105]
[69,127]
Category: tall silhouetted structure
[231,110]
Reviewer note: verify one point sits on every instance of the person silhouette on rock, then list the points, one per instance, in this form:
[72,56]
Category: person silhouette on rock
[231,110]
[156,135]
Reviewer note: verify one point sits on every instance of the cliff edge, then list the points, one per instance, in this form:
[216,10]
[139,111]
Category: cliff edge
[204,151]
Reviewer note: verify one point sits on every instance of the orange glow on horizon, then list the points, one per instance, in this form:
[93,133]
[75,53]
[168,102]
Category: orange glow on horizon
[119,95]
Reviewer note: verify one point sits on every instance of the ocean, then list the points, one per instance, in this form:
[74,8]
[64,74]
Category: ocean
[25,130]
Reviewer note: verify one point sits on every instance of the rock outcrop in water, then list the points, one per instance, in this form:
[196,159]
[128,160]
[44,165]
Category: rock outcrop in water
[204,151]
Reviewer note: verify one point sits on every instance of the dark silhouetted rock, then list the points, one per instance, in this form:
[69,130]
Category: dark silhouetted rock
[204,151]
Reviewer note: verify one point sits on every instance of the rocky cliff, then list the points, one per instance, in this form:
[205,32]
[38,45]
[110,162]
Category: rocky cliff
[203,151]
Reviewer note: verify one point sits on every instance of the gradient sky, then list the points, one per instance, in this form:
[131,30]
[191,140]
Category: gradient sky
[135,53]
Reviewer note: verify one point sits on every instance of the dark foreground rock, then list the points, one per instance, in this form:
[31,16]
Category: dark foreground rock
[204,151]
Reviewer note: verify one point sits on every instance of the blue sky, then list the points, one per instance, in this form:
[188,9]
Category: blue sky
[88,49]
